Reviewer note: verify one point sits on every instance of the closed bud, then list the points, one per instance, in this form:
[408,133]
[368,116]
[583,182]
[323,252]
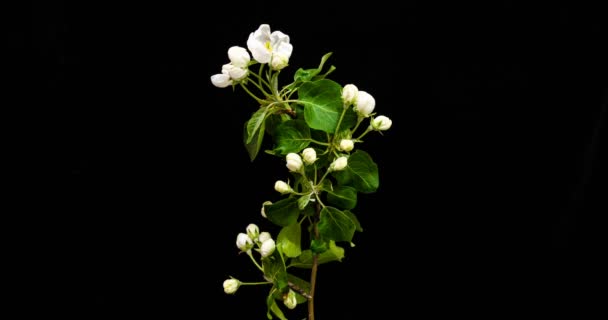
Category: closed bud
[243,242]
[381,123]
[253,231]
[294,162]
[339,164]
[231,286]
[282,187]
[347,145]
[264,236]
[267,248]
[263,211]
[239,57]
[309,155]
[290,300]
[365,104]
[349,94]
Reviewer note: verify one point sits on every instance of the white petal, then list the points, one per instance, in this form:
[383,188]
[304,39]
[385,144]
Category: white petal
[278,36]
[239,57]
[221,80]
[237,73]
[284,49]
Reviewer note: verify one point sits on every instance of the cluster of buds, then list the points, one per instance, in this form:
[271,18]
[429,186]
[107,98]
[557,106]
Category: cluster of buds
[254,238]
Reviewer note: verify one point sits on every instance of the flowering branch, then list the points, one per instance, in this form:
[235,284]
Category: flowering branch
[314,134]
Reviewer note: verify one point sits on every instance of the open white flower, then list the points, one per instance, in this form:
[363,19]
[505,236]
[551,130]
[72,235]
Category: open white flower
[273,48]
[365,103]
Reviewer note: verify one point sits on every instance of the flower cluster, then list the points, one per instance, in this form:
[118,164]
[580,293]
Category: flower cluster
[266,47]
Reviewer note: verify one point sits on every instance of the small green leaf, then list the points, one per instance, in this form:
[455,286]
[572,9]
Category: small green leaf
[336,225]
[318,246]
[255,122]
[308,74]
[343,196]
[276,310]
[292,136]
[362,170]
[303,201]
[283,212]
[288,240]
[253,147]
[334,253]
[323,105]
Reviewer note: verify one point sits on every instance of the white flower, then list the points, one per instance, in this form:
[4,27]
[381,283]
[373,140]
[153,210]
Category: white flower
[309,155]
[273,48]
[235,73]
[282,187]
[264,236]
[231,285]
[267,248]
[243,242]
[339,164]
[221,80]
[381,123]
[263,210]
[365,103]
[253,231]
[239,57]
[290,299]
[347,145]
[349,94]
[294,162]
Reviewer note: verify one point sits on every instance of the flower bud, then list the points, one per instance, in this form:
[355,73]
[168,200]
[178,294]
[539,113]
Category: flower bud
[267,248]
[231,286]
[339,164]
[235,73]
[264,236]
[309,155]
[243,242]
[263,211]
[347,145]
[290,299]
[278,61]
[282,187]
[365,104]
[253,231]
[221,80]
[349,94]
[381,123]
[239,57]
[294,162]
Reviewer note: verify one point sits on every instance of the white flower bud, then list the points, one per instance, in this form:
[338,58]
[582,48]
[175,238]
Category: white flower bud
[339,164]
[349,94]
[282,187]
[267,248]
[264,236]
[278,61]
[294,162]
[290,299]
[263,211]
[347,145]
[221,80]
[239,57]
[231,286]
[253,231]
[381,123]
[309,155]
[365,104]
[235,73]
[243,242]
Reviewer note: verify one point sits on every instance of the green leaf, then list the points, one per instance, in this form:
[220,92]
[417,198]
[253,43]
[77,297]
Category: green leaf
[323,106]
[308,74]
[334,253]
[343,196]
[288,240]
[292,136]
[255,122]
[283,212]
[275,309]
[318,246]
[253,147]
[274,269]
[303,201]
[363,171]
[336,225]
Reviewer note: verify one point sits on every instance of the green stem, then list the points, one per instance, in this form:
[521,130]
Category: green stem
[364,133]
[255,262]
[260,101]
[319,142]
[255,283]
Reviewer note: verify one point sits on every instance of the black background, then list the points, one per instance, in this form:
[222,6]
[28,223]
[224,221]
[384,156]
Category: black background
[491,177]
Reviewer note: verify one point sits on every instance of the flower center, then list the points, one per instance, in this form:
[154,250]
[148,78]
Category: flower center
[268,46]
